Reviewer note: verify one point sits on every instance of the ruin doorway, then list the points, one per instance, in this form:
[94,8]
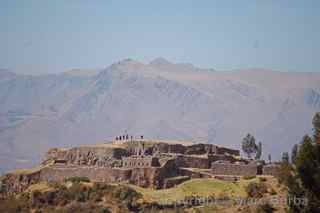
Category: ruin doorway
[259,170]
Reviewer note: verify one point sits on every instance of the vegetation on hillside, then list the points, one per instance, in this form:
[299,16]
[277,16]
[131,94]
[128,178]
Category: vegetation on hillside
[79,196]
[250,147]
[58,197]
[302,174]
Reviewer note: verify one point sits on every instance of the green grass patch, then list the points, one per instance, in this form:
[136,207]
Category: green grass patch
[199,187]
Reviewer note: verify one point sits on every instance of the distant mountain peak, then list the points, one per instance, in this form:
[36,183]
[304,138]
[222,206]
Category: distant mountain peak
[128,62]
[82,72]
[160,61]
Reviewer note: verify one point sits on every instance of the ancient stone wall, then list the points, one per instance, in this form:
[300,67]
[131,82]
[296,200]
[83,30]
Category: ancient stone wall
[194,173]
[233,169]
[220,157]
[200,149]
[145,177]
[168,148]
[56,153]
[189,161]
[140,162]
[271,170]
[95,174]
[171,182]
[228,151]
[169,169]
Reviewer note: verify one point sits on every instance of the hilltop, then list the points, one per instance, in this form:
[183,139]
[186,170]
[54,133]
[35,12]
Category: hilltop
[146,175]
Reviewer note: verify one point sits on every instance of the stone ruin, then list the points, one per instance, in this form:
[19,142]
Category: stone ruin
[156,164]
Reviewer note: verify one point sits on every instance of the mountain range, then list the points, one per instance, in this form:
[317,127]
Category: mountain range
[161,100]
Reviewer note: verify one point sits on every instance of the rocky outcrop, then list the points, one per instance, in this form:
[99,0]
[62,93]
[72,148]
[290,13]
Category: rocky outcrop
[18,181]
[89,155]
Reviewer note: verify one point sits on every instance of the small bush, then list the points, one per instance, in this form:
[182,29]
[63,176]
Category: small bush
[262,179]
[77,179]
[77,198]
[256,190]
[272,192]
[125,193]
[248,177]
[104,210]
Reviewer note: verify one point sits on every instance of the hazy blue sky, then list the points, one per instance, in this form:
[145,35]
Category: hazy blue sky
[41,36]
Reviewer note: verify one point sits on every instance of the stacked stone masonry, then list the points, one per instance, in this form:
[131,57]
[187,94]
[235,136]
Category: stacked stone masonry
[234,169]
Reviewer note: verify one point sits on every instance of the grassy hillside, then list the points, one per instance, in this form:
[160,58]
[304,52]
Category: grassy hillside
[200,187]
[74,196]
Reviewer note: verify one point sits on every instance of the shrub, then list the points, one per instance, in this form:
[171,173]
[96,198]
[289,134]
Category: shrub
[262,179]
[125,193]
[78,192]
[272,192]
[77,198]
[37,199]
[256,190]
[104,210]
[248,177]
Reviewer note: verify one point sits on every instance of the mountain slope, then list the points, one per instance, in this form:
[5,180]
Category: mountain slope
[161,99]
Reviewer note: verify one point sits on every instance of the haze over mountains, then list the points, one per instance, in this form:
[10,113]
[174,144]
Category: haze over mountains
[159,100]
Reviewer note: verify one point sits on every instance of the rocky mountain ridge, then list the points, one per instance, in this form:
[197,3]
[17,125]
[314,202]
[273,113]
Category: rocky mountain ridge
[159,100]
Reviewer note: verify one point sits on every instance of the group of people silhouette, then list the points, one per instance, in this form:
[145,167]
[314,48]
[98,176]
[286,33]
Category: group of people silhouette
[126,137]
